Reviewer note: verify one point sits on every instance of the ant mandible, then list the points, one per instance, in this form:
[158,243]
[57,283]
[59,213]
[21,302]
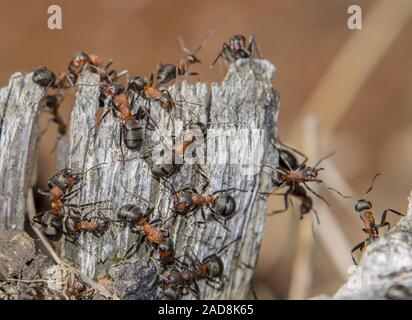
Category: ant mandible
[363,208]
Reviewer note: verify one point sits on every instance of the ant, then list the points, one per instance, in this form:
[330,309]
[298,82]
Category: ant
[363,208]
[211,268]
[75,225]
[169,72]
[54,227]
[296,177]
[158,239]
[47,79]
[287,159]
[52,103]
[131,130]
[169,165]
[60,187]
[151,93]
[188,200]
[236,48]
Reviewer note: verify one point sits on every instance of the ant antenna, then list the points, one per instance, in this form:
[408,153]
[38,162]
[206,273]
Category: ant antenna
[326,157]
[371,185]
[187,51]
[134,195]
[343,196]
[227,245]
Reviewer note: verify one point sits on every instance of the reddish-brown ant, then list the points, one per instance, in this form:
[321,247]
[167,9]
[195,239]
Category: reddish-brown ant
[236,48]
[158,239]
[296,177]
[363,208]
[210,269]
[188,201]
[52,104]
[60,187]
[169,72]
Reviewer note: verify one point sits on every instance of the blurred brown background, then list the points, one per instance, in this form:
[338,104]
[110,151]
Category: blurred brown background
[357,83]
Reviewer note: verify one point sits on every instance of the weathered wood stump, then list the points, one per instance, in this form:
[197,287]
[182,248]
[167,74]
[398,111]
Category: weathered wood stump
[241,115]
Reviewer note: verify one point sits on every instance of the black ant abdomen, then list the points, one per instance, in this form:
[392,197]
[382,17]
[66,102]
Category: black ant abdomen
[44,77]
[224,205]
[133,134]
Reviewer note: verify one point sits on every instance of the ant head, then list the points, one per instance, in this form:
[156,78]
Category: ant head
[95,60]
[187,275]
[61,182]
[102,224]
[182,201]
[311,174]
[362,205]
[44,77]
[172,276]
[214,266]
[224,205]
[80,58]
[112,89]
[237,42]
[192,59]
[167,247]
[137,84]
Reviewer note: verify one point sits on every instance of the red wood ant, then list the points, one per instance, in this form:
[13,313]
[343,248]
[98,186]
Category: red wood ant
[151,93]
[210,269]
[363,208]
[188,201]
[52,104]
[131,130]
[236,48]
[158,239]
[68,222]
[60,187]
[168,72]
[296,177]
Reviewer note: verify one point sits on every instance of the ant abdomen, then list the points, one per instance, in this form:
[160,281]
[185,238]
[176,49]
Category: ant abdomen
[213,266]
[130,213]
[133,135]
[224,205]
[44,77]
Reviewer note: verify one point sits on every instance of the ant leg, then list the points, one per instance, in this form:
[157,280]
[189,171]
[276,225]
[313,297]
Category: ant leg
[121,144]
[305,158]
[316,194]
[254,46]
[43,192]
[127,255]
[219,55]
[360,247]
[37,217]
[286,204]
[385,212]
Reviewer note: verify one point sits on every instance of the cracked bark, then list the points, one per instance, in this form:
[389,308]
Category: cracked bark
[245,99]
[19,107]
